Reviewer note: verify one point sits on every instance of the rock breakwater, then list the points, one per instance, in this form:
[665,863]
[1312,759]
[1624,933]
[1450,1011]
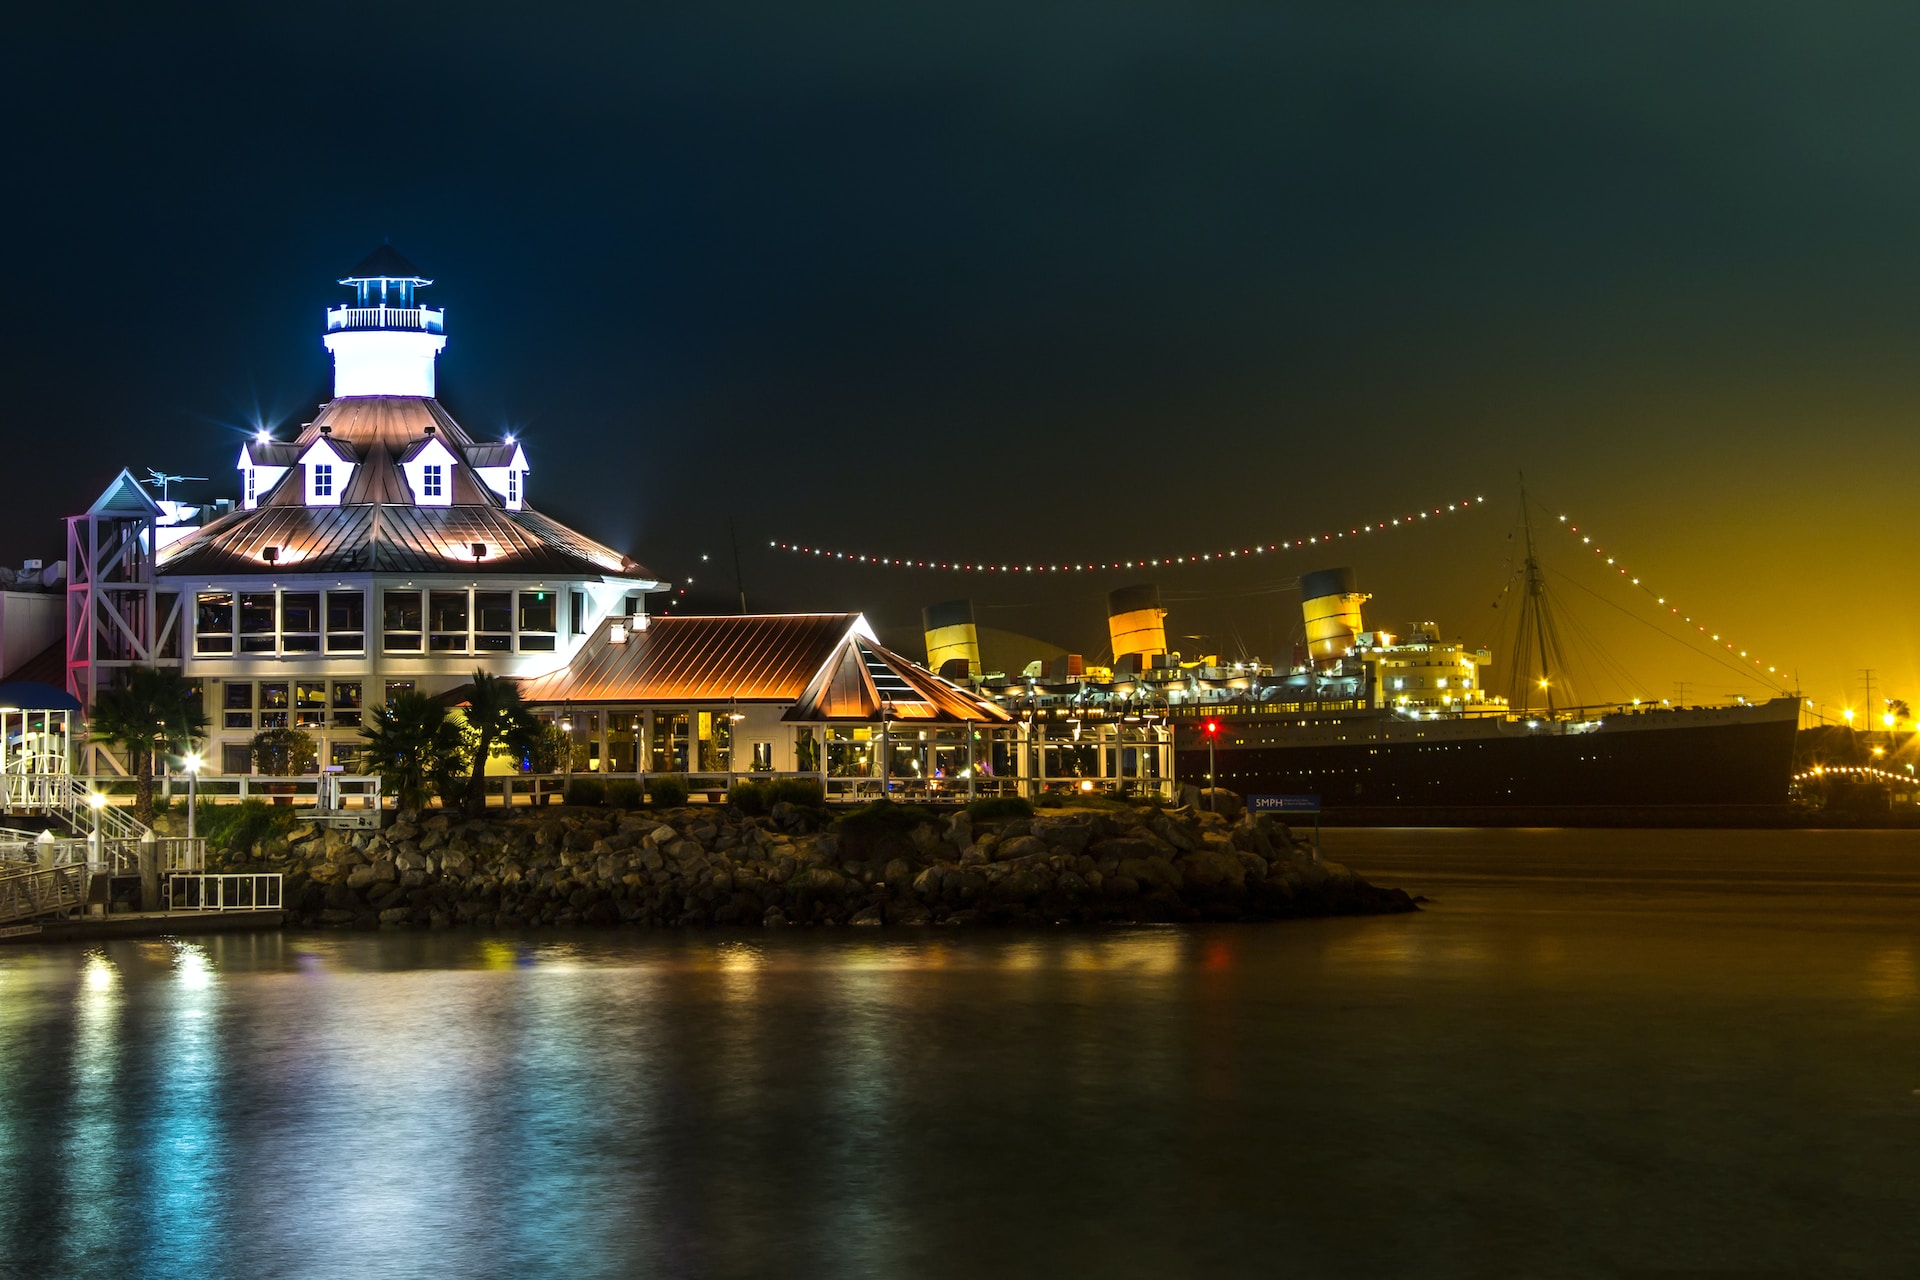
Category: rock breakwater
[715,865]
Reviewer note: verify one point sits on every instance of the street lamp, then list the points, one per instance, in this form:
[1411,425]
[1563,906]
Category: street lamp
[97,800]
[192,764]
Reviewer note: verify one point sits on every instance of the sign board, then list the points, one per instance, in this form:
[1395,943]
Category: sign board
[1283,804]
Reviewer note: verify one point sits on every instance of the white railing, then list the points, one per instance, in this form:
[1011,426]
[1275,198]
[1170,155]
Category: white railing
[63,796]
[114,856]
[41,891]
[237,891]
[424,319]
[327,793]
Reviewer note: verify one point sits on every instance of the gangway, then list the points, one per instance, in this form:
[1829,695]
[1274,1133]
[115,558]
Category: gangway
[42,891]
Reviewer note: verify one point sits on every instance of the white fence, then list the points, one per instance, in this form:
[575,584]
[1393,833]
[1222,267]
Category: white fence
[424,318]
[245,891]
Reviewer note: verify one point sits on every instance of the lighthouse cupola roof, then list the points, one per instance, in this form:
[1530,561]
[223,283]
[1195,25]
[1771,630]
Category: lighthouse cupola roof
[384,342]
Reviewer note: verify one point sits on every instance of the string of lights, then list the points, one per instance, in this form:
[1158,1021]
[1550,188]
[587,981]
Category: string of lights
[1229,556]
[1702,630]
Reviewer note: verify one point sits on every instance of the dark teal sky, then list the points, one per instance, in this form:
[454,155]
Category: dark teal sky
[1074,281]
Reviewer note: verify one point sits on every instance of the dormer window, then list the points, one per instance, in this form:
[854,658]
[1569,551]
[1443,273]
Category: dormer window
[431,485]
[322,480]
[513,488]
[250,494]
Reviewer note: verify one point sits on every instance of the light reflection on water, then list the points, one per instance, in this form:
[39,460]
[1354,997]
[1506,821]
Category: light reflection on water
[1551,1072]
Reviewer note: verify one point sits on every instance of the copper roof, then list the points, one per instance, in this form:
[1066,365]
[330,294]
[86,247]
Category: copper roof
[820,662]
[750,658]
[377,528]
[392,539]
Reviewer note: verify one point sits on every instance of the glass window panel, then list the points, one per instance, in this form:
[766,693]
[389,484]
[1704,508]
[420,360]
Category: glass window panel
[448,611]
[669,742]
[346,693]
[213,622]
[259,619]
[536,611]
[347,719]
[273,719]
[237,719]
[294,643]
[300,611]
[235,758]
[239,695]
[397,687]
[536,644]
[346,621]
[310,694]
[402,610]
[493,611]
[577,606]
[274,696]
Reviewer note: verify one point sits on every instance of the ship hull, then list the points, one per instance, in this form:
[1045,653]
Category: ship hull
[1721,756]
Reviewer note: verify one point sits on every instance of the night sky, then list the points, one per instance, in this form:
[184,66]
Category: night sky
[1039,283]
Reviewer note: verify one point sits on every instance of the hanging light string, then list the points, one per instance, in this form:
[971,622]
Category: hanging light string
[1701,630]
[1230,556]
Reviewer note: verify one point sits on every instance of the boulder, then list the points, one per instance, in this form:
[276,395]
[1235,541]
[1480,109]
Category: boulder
[1214,871]
[1019,847]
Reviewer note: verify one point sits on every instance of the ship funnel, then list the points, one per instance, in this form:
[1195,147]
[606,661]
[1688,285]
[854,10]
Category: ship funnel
[1136,622]
[1332,609]
[952,639]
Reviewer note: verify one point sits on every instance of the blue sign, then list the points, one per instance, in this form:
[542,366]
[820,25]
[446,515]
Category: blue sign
[1283,804]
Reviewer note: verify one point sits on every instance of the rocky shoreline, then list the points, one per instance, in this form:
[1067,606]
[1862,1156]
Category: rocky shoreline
[889,865]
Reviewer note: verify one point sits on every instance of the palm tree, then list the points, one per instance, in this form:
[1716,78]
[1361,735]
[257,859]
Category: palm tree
[497,718]
[154,710]
[402,744]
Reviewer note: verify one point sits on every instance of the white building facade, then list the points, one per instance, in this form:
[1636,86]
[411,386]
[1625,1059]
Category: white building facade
[380,549]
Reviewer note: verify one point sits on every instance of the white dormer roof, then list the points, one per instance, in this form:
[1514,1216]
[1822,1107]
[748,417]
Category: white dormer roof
[502,468]
[429,468]
[325,468]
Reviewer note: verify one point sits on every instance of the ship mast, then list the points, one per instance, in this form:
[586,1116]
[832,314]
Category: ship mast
[1536,638]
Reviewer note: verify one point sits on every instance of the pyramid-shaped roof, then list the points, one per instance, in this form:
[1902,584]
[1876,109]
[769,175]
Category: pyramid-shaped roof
[385,263]
[377,526]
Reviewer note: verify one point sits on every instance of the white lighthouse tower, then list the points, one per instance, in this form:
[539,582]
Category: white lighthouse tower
[384,342]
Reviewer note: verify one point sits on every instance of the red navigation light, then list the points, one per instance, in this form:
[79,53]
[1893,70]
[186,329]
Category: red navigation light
[1213,729]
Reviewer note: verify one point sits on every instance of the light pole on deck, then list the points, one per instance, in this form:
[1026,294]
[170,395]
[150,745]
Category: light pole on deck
[192,764]
[1213,734]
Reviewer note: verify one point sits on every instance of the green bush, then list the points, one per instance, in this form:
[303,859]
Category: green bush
[586,791]
[999,809]
[234,828]
[749,796]
[623,793]
[668,791]
[807,793]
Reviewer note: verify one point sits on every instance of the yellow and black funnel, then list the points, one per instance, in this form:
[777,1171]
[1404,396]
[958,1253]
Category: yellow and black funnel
[1332,609]
[952,638]
[1136,623]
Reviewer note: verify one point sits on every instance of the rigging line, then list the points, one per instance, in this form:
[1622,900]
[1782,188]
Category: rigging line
[1700,651]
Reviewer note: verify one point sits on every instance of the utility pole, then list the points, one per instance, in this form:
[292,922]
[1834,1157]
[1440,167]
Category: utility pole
[1866,698]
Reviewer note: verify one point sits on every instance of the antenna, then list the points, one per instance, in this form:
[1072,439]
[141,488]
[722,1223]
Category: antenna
[162,480]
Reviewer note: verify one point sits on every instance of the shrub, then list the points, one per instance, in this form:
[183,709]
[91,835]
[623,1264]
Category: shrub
[285,753]
[668,791]
[807,793]
[623,793]
[749,796]
[999,809]
[234,828]
[586,791]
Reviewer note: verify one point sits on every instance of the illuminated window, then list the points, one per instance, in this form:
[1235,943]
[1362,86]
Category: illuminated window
[513,486]
[323,480]
[430,481]
[536,621]
[402,621]
[213,622]
[346,621]
[249,486]
[447,621]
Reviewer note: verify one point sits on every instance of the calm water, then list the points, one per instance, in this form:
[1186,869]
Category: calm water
[1605,1053]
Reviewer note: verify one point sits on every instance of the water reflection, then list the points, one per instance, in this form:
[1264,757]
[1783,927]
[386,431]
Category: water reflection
[1532,1090]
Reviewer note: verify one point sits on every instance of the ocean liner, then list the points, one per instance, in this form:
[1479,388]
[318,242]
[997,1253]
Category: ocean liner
[1368,719]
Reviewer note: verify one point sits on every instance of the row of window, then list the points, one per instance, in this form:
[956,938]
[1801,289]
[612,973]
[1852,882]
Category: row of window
[462,620]
[297,704]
